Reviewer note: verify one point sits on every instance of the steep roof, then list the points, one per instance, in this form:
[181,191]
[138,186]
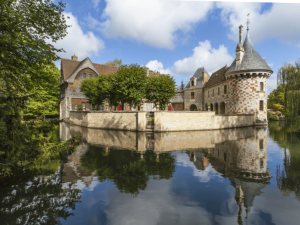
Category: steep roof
[69,66]
[251,59]
[217,77]
[199,80]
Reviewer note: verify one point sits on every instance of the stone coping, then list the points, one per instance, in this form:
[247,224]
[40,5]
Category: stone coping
[94,111]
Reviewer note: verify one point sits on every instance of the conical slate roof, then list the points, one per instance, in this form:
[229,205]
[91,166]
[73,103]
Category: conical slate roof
[251,59]
[199,80]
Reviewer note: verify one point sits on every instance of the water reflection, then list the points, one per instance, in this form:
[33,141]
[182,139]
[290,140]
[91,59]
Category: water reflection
[287,175]
[31,199]
[238,154]
[202,177]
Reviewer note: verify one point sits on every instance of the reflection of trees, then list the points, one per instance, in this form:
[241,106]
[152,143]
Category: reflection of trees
[127,169]
[288,177]
[37,200]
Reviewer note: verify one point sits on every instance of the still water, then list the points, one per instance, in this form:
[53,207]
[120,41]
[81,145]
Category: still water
[233,176]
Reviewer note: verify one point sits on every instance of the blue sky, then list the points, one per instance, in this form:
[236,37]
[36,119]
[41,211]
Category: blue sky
[177,37]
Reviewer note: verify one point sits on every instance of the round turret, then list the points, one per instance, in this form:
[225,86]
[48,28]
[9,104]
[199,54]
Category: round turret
[247,77]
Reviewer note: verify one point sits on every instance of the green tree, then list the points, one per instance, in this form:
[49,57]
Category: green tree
[182,86]
[44,97]
[115,62]
[276,98]
[130,84]
[27,30]
[289,74]
[126,169]
[160,89]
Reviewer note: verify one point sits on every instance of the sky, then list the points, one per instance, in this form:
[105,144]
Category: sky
[178,37]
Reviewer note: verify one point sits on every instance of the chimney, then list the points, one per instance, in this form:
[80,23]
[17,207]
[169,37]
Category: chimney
[241,34]
[204,77]
[239,48]
[75,58]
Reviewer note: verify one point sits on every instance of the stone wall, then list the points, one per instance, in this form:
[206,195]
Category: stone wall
[216,98]
[163,120]
[110,120]
[181,121]
[177,106]
[197,101]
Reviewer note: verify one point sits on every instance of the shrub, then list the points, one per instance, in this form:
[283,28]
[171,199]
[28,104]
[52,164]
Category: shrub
[79,108]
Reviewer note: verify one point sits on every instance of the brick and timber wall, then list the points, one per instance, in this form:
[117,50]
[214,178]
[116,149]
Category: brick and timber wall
[245,96]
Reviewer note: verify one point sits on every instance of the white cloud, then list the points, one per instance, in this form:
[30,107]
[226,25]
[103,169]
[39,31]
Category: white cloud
[152,22]
[96,3]
[278,22]
[77,42]
[158,66]
[204,55]
[270,64]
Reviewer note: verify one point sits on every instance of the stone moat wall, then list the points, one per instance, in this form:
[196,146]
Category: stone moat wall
[163,121]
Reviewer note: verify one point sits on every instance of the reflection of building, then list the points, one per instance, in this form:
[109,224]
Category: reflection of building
[72,170]
[243,161]
[238,154]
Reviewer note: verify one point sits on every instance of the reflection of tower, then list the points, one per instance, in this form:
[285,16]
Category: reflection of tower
[239,197]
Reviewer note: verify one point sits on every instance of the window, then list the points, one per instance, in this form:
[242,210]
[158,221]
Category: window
[218,90]
[213,92]
[208,94]
[192,95]
[225,157]
[261,144]
[261,86]
[192,83]
[261,163]
[261,105]
[225,89]
[84,75]
[90,75]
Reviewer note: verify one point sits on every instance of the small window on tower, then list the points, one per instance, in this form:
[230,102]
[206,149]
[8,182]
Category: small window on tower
[261,86]
[208,94]
[213,92]
[261,105]
[90,75]
[192,95]
[84,76]
[261,144]
[225,89]
[261,163]
[218,90]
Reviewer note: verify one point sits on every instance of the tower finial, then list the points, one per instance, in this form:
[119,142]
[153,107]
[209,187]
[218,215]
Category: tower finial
[248,21]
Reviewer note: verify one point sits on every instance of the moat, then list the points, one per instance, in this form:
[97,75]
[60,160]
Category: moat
[233,176]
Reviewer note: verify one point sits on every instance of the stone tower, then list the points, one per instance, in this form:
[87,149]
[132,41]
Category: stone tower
[247,78]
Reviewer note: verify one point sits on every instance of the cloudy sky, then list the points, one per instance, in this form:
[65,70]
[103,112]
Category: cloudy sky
[177,37]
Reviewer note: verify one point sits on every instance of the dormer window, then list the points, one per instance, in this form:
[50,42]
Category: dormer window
[193,81]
